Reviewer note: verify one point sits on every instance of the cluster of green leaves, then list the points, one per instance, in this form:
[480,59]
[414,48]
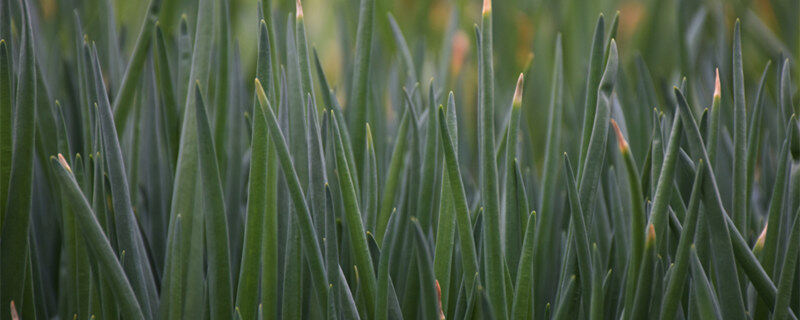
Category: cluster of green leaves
[180,185]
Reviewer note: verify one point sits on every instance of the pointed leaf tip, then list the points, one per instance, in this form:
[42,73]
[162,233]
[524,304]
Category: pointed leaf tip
[299,9]
[518,91]
[439,298]
[63,162]
[717,87]
[651,235]
[623,145]
[761,238]
[14,315]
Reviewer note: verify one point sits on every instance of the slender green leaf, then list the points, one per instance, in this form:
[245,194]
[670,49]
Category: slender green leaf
[393,174]
[725,269]
[593,74]
[6,142]
[14,246]
[680,267]
[311,246]
[739,136]
[495,281]
[123,101]
[522,306]
[97,241]
[788,271]
[466,239]
[354,224]
[706,302]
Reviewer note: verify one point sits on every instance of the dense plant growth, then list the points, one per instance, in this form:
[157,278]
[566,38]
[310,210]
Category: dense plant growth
[162,172]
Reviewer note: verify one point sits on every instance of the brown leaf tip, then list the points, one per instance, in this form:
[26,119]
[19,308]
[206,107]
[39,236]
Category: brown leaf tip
[623,145]
[63,162]
[439,298]
[487,6]
[14,315]
[651,234]
[717,87]
[518,91]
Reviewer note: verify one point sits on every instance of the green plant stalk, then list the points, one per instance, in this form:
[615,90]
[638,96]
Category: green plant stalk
[597,306]
[292,294]
[493,247]
[663,190]
[545,234]
[596,66]
[579,232]
[311,247]
[247,292]
[357,99]
[393,175]
[175,266]
[788,272]
[97,241]
[126,226]
[404,50]
[269,240]
[184,192]
[595,155]
[522,306]
[680,267]
[170,105]
[741,251]
[266,14]
[641,303]
[123,101]
[754,134]
[768,255]
[370,190]
[446,226]
[331,246]
[221,75]
[566,307]
[725,269]
[427,172]
[739,136]
[707,304]
[219,274]
[469,256]
[6,142]
[14,245]
[382,298]
[354,224]
[430,304]
[638,219]
[515,203]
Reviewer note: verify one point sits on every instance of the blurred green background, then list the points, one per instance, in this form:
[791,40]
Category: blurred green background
[523,29]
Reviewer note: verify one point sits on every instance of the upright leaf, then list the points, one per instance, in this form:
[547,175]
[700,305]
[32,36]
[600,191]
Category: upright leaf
[97,241]
[357,99]
[16,223]
[739,136]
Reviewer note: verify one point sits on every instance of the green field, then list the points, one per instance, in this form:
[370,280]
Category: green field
[399,159]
